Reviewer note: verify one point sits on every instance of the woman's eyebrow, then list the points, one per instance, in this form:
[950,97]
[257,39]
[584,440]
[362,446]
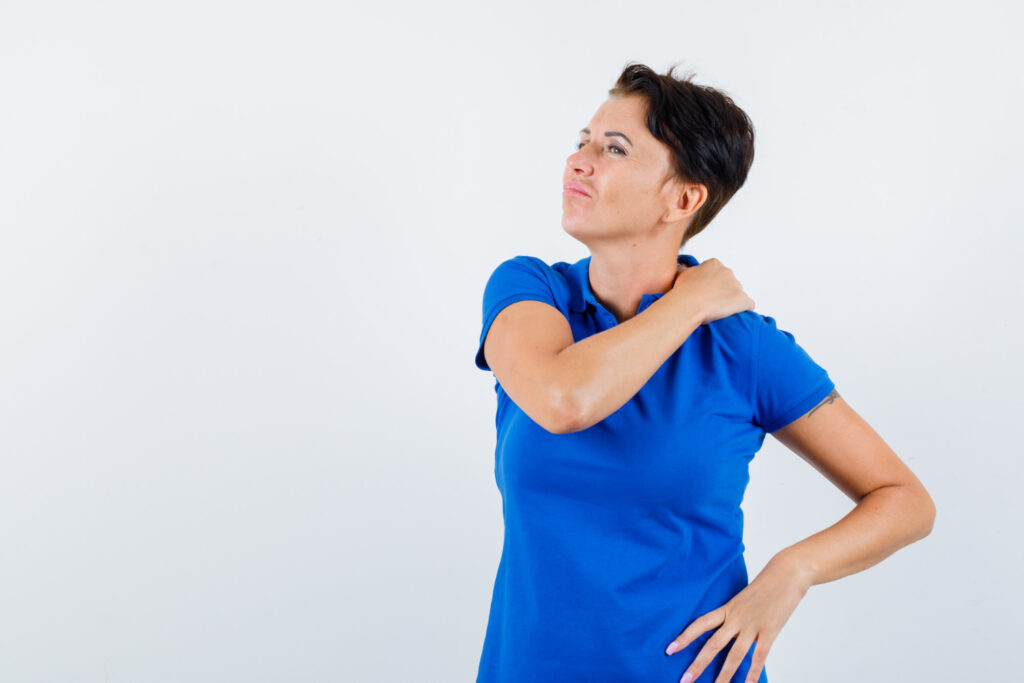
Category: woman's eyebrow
[609,133]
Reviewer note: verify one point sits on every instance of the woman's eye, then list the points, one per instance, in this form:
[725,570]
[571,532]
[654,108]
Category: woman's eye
[621,151]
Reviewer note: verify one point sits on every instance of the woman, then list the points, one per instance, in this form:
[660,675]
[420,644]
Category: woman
[633,389]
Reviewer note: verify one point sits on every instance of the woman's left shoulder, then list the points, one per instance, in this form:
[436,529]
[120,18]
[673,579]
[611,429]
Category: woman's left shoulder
[742,324]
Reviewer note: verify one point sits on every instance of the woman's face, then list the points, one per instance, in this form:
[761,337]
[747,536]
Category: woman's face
[622,167]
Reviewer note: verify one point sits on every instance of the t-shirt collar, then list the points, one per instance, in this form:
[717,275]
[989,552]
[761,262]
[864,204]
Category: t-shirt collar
[579,284]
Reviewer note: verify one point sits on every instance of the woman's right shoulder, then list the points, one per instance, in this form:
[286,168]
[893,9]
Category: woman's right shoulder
[525,272]
[526,263]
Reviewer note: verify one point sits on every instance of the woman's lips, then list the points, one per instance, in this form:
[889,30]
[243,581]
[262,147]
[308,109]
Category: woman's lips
[574,188]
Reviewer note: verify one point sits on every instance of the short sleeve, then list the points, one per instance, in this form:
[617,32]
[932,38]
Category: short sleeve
[787,381]
[516,279]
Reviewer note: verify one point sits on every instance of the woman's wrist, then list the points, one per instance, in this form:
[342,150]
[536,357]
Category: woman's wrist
[796,566]
[687,306]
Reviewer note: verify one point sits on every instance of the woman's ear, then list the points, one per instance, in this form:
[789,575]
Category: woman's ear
[692,197]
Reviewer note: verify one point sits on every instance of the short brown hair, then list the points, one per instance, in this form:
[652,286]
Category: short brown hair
[712,139]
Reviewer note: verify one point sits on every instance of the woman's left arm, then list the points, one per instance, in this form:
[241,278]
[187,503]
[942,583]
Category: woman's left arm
[893,510]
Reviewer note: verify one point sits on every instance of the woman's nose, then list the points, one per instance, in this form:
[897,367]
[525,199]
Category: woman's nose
[579,159]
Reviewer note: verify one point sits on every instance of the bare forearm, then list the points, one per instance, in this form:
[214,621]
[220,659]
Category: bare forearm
[884,521]
[605,370]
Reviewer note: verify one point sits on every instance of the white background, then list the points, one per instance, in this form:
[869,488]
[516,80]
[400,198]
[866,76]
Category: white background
[242,254]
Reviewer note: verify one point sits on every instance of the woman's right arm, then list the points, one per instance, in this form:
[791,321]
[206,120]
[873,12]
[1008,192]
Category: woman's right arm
[565,386]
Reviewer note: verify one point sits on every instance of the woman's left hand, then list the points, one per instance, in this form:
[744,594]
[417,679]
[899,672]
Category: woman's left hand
[756,613]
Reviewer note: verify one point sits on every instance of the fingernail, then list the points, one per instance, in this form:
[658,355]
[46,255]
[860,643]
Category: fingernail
[672,647]
[687,677]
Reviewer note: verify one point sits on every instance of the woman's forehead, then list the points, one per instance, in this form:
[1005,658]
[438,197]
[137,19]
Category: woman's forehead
[623,115]
[624,111]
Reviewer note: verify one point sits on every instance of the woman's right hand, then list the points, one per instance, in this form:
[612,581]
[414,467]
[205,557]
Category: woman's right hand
[713,288]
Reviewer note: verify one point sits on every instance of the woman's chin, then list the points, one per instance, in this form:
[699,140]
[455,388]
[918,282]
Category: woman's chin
[573,226]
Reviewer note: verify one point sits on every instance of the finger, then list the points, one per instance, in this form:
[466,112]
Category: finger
[736,654]
[706,654]
[703,623]
[758,659]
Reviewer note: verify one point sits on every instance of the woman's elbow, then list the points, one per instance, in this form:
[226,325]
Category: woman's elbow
[568,417]
[927,509]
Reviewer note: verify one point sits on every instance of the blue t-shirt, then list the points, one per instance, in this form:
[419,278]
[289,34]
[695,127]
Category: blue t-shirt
[618,536]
